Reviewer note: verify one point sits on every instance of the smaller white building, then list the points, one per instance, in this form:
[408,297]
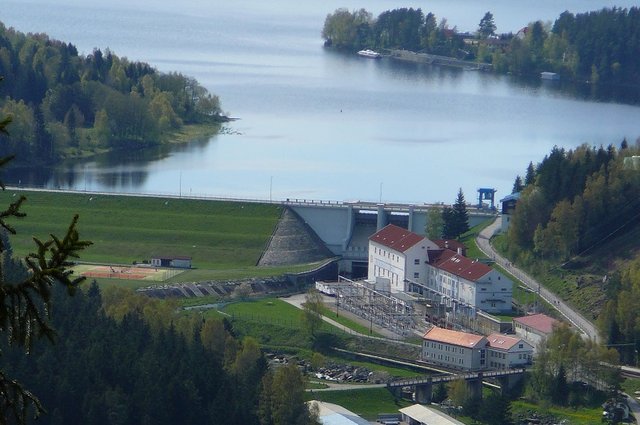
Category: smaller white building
[534,328]
[171,261]
[506,352]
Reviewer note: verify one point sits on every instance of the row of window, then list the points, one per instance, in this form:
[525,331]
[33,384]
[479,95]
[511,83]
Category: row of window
[450,348]
[448,359]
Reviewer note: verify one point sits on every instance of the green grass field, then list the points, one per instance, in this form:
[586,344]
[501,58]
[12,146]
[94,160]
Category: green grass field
[366,402]
[217,235]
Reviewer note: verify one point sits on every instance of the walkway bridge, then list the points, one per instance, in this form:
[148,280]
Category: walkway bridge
[345,227]
[423,387]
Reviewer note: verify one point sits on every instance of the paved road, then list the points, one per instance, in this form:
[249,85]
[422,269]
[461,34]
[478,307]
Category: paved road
[572,316]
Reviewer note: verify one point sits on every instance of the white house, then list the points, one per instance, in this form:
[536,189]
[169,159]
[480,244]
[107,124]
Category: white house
[454,349]
[534,328]
[396,254]
[506,352]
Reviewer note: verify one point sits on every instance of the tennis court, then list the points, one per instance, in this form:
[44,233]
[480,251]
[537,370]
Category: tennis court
[157,274]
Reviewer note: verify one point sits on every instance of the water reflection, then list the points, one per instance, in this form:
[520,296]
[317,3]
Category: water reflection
[113,171]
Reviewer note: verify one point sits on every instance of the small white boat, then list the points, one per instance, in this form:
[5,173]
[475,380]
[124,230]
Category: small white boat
[367,53]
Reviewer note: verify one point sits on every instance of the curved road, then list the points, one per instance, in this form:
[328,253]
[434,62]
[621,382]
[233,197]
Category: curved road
[483,240]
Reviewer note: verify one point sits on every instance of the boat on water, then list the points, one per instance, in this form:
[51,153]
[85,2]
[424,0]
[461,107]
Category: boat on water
[368,53]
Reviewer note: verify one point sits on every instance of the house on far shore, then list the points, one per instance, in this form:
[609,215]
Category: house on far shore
[177,262]
[534,328]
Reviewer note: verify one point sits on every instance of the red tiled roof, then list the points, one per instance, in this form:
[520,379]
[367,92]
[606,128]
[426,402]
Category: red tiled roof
[451,244]
[502,342]
[540,322]
[447,336]
[459,265]
[396,238]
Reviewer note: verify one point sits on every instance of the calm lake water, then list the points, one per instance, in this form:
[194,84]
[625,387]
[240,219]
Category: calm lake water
[317,124]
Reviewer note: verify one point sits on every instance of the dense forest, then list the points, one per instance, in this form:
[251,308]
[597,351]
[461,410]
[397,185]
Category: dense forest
[599,46]
[121,358]
[571,204]
[63,103]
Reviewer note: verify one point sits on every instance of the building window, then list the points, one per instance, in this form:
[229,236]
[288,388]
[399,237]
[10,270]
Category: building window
[416,261]
[416,275]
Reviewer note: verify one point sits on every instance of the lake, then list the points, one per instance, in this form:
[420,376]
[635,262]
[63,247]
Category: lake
[317,124]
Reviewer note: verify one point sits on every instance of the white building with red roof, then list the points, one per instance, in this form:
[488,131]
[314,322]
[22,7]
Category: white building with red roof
[465,284]
[412,263]
[506,352]
[454,349]
[535,327]
[396,254]
[466,351]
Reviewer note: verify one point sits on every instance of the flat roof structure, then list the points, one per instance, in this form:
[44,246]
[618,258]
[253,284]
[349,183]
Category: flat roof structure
[333,414]
[428,416]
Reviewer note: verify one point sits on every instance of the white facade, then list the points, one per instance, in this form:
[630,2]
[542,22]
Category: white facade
[466,351]
[491,292]
[494,292]
[506,352]
[534,328]
[453,349]
[410,262]
[415,264]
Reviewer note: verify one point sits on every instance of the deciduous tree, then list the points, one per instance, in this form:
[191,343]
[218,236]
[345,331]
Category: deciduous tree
[312,311]
[487,26]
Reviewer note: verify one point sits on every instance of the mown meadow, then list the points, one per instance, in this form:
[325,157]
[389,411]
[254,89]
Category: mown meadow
[126,229]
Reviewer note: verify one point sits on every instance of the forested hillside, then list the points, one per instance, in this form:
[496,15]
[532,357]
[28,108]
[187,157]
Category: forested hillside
[127,359]
[574,227]
[63,103]
[599,46]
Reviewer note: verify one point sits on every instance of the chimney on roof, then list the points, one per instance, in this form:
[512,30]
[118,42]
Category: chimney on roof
[446,244]
[459,251]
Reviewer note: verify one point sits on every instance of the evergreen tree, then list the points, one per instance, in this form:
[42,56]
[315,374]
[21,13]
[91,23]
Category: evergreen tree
[448,223]
[455,219]
[25,305]
[517,185]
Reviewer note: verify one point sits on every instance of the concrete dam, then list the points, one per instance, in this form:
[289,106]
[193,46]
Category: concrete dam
[344,228]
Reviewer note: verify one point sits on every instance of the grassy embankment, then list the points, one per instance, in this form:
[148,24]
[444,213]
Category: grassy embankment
[579,281]
[224,239]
